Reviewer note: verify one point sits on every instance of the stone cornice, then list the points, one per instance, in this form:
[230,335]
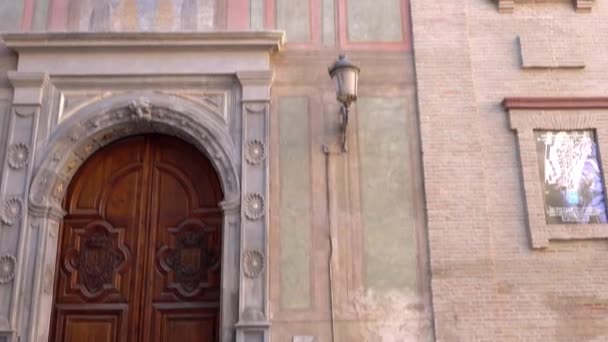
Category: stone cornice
[27,79]
[266,40]
[144,53]
[555,103]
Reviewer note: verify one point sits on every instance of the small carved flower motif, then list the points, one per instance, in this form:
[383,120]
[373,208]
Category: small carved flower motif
[7,268]
[72,164]
[58,191]
[253,263]
[18,155]
[256,152]
[254,206]
[141,109]
[11,210]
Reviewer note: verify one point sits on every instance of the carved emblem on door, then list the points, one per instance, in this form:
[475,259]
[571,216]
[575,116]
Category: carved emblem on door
[97,260]
[189,259]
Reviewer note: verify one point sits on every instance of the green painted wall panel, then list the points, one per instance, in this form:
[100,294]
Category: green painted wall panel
[41,14]
[11,12]
[329,22]
[387,212]
[256,12]
[294,164]
[294,18]
[374,20]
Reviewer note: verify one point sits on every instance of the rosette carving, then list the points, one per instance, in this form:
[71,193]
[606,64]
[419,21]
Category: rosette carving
[254,206]
[253,263]
[18,155]
[11,211]
[7,268]
[256,152]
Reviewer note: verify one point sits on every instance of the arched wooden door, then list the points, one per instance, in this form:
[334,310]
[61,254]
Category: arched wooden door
[139,256]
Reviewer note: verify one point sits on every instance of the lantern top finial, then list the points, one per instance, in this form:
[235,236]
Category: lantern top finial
[342,63]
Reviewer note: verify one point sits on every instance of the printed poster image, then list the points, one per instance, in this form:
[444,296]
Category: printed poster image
[571,176]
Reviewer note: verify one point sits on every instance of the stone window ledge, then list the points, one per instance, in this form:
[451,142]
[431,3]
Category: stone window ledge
[529,114]
[507,6]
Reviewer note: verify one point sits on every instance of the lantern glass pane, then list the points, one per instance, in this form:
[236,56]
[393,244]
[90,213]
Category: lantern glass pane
[338,81]
[350,82]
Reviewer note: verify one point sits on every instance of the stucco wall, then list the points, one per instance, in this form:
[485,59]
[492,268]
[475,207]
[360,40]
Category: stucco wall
[488,283]
[380,283]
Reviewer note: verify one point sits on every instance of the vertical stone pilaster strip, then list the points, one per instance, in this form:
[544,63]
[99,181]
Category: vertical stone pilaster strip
[230,260]
[253,307]
[24,122]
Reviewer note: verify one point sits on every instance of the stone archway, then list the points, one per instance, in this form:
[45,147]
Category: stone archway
[106,121]
[156,81]
[133,113]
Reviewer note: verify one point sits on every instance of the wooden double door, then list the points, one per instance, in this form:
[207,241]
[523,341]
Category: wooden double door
[140,248]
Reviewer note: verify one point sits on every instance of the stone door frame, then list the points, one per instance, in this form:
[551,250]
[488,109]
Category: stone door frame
[230,127]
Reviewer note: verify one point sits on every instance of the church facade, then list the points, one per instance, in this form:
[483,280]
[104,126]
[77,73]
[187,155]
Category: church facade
[176,170]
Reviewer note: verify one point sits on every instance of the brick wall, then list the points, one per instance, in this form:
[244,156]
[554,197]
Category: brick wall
[488,284]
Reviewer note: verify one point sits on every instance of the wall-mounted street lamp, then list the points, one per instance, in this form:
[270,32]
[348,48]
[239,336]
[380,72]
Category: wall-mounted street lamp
[345,75]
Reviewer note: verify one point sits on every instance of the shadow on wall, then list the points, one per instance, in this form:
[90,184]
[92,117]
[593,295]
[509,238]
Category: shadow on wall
[141,15]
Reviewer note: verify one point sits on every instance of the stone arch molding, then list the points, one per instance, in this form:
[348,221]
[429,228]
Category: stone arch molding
[100,123]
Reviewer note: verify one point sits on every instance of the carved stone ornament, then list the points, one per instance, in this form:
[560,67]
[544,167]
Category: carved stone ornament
[58,191]
[11,210]
[141,109]
[190,260]
[7,268]
[256,152]
[96,261]
[18,155]
[109,126]
[255,108]
[251,314]
[253,263]
[254,206]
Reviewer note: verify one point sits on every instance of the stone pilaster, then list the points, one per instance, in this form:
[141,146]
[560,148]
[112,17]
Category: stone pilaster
[253,322]
[15,231]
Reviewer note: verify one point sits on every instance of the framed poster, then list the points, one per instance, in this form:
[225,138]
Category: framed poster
[571,177]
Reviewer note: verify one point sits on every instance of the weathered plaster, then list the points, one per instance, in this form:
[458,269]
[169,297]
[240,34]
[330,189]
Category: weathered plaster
[295,208]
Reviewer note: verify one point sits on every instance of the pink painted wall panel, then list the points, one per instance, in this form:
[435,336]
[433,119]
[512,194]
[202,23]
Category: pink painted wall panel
[309,24]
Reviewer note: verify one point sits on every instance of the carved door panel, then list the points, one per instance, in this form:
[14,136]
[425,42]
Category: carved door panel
[139,258]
